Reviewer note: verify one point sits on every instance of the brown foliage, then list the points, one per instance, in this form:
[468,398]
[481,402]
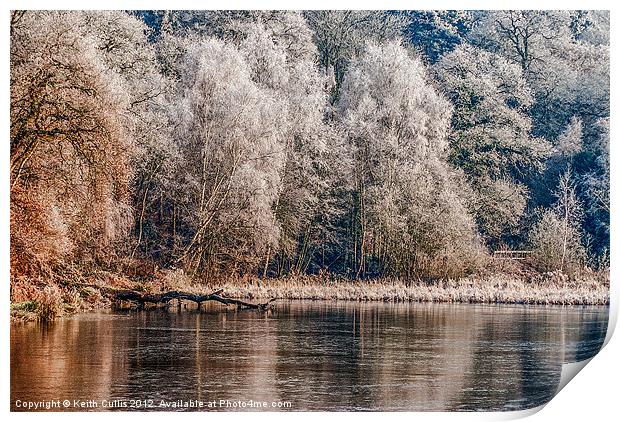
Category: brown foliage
[69,151]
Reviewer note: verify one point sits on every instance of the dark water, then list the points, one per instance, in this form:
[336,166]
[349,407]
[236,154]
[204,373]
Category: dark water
[306,356]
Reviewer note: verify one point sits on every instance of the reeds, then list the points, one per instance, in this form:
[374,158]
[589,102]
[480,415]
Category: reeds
[49,304]
[45,303]
[494,288]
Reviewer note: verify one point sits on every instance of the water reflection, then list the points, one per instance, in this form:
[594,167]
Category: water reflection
[315,355]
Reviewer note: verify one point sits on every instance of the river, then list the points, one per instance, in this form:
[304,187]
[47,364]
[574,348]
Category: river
[304,355]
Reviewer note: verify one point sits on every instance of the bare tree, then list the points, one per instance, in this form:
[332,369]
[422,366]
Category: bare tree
[341,35]
[556,238]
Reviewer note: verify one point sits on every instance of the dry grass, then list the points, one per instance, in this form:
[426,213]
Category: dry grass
[551,288]
[45,301]
[49,303]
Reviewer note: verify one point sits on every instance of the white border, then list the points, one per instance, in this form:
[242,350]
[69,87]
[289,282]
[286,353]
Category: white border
[592,395]
[309,4]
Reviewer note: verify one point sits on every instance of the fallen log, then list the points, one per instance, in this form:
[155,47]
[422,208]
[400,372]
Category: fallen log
[143,298]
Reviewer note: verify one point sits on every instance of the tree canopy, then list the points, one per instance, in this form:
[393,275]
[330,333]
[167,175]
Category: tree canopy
[360,143]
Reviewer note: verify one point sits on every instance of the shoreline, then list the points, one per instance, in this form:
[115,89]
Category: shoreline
[54,301]
[504,289]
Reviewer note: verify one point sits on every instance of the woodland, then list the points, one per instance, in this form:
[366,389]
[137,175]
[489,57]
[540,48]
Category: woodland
[357,145]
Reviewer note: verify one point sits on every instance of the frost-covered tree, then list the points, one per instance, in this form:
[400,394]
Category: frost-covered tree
[597,190]
[556,238]
[341,35]
[122,41]
[564,57]
[278,142]
[522,35]
[591,26]
[409,217]
[437,32]
[490,138]
[570,142]
[281,56]
[229,132]
[69,142]
[563,155]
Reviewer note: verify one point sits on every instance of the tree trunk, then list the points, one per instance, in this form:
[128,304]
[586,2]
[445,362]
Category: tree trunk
[143,298]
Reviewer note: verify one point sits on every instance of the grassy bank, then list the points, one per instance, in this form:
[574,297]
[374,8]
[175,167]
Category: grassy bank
[493,288]
[45,300]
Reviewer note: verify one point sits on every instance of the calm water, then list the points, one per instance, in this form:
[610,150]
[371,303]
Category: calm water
[308,355]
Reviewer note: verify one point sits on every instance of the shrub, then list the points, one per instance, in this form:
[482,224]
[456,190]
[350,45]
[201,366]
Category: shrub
[557,245]
[49,303]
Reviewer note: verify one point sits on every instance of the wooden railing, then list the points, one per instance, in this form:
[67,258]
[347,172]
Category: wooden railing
[517,255]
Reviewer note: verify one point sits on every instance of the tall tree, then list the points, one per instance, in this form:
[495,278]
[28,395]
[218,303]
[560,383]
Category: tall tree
[556,237]
[596,195]
[409,219]
[437,32]
[341,35]
[69,142]
[490,138]
[122,41]
[230,137]
[565,59]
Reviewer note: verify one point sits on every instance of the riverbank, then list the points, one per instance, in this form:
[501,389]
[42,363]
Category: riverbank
[549,289]
[45,300]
